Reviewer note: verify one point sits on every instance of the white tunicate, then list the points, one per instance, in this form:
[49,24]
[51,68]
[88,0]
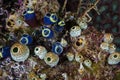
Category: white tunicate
[70,56]
[51,59]
[80,43]
[112,48]
[108,38]
[43,76]
[79,58]
[104,46]
[19,52]
[63,42]
[40,51]
[114,58]
[18,22]
[75,31]
[83,25]
[88,63]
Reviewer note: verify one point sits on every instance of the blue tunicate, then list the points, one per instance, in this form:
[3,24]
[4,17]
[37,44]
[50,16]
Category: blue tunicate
[29,14]
[47,32]
[50,19]
[60,26]
[26,39]
[57,48]
[5,52]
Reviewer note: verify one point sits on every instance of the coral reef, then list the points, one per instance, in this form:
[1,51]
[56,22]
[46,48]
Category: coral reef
[57,40]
